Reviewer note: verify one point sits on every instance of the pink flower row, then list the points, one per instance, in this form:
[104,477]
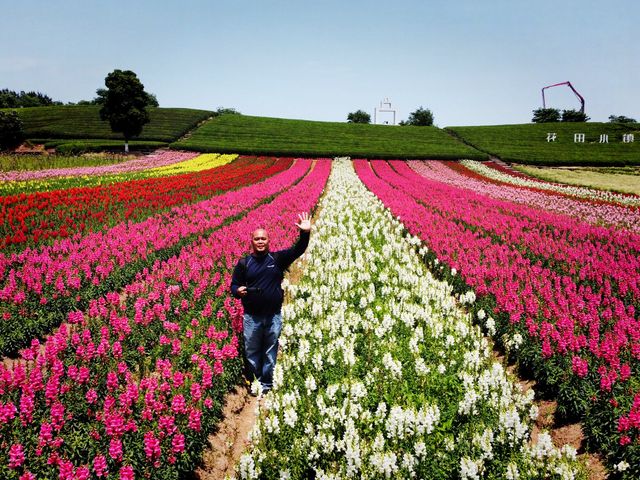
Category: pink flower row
[70,265]
[578,249]
[136,377]
[563,317]
[595,213]
[153,160]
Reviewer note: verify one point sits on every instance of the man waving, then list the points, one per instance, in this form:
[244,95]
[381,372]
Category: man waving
[257,280]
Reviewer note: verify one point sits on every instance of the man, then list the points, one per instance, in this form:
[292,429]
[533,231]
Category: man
[257,280]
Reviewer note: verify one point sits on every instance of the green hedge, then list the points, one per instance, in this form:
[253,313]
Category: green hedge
[275,136]
[527,143]
[83,122]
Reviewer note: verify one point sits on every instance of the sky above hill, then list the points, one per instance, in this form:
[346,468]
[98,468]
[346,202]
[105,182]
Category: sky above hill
[470,62]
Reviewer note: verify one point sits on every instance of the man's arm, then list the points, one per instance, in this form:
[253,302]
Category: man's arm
[239,280]
[287,257]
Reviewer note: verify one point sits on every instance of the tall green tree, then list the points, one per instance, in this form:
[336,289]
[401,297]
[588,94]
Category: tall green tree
[422,117]
[11,130]
[546,115]
[621,119]
[574,116]
[359,116]
[125,104]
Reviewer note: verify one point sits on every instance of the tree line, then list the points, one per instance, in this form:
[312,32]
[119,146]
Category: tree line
[421,117]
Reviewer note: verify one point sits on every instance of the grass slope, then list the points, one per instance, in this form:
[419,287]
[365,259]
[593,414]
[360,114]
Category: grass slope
[528,143]
[275,136]
[83,122]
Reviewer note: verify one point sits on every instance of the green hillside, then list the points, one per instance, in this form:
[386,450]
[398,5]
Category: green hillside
[275,136]
[83,122]
[528,143]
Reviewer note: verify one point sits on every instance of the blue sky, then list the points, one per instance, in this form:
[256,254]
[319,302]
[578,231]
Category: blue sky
[471,62]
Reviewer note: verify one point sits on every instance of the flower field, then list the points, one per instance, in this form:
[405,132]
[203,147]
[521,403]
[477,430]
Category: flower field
[381,375]
[130,386]
[560,294]
[120,340]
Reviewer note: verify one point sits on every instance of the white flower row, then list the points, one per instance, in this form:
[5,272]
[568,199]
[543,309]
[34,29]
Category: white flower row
[381,374]
[576,191]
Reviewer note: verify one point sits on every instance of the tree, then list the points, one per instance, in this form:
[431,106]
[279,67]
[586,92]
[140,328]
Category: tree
[422,117]
[546,115]
[574,116]
[11,99]
[11,130]
[124,104]
[621,119]
[359,116]
[227,111]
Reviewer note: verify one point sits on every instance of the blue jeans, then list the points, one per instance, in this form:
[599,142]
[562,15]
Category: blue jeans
[261,334]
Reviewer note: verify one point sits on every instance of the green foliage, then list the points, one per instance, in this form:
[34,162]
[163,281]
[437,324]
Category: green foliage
[125,103]
[227,111]
[83,146]
[11,129]
[43,162]
[574,116]
[527,143]
[621,119]
[245,134]
[11,99]
[83,122]
[359,116]
[422,117]
[546,115]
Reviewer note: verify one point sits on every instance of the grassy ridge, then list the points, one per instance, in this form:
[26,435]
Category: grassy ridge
[528,143]
[275,136]
[83,122]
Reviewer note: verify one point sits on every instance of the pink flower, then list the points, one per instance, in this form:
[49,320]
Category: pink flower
[126,473]
[177,443]
[115,449]
[580,366]
[27,476]
[178,404]
[91,396]
[151,445]
[16,455]
[100,466]
[82,473]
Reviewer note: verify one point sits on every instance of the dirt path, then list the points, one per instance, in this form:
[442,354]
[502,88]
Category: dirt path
[227,444]
[570,434]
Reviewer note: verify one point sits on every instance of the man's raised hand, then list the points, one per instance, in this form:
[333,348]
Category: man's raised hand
[305,222]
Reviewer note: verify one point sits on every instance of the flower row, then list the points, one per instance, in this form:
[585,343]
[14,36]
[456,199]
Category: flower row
[40,287]
[597,213]
[581,340]
[40,218]
[495,173]
[381,375]
[132,386]
[572,247]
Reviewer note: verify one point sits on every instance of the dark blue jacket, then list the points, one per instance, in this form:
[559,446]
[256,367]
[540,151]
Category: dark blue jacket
[263,275]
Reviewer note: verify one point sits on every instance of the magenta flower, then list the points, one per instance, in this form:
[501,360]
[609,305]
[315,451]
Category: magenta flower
[16,455]
[126,473]
[100,466]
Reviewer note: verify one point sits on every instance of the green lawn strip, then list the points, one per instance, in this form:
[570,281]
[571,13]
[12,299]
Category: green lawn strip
[32,162]
[83,121]
[275,136]
[527,143]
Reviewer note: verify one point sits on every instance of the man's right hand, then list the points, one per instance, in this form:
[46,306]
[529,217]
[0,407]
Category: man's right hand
[242,291]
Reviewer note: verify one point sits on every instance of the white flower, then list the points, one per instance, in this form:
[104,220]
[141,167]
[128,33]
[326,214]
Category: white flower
[622,466]
[469,469]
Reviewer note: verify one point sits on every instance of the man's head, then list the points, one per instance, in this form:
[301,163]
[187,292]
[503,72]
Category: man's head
[260,241]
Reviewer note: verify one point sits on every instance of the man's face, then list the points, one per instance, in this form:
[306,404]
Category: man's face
[260,241]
